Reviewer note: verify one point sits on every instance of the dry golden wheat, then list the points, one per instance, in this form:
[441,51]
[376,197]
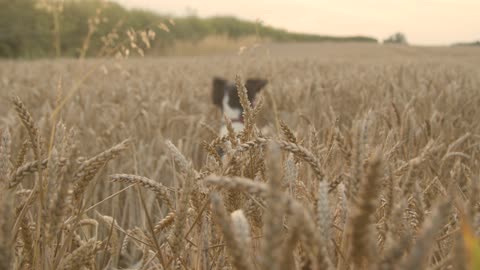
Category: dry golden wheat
[355,157]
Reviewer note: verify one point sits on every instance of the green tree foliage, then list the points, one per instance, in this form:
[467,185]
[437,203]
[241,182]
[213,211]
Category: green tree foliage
[27,29]
[23,30]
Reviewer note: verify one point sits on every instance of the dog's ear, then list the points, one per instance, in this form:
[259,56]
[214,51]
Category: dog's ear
[254,86]
[218,91]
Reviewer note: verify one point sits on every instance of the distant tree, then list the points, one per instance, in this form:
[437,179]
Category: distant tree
[474,43]
[397,38]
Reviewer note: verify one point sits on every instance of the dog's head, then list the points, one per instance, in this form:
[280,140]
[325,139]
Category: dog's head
[225,95]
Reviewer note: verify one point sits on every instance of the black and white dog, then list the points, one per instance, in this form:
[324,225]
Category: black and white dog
[225,96]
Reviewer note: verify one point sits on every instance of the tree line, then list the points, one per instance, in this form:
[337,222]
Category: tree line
[74,28]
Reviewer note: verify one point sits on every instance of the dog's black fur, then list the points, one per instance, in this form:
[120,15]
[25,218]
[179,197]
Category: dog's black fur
[222,87]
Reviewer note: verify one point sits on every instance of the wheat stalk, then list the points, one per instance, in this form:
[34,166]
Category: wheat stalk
[81,256]
[234,244]
[160,190]
[5,144]
[89,168]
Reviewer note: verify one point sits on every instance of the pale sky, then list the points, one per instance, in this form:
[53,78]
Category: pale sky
[425,22]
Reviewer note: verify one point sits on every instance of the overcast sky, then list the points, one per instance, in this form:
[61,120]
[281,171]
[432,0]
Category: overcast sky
[426,22]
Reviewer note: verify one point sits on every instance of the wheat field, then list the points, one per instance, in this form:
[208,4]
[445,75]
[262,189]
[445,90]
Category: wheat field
[356,157]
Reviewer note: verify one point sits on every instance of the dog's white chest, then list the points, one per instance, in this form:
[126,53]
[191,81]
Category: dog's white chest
[233,114]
